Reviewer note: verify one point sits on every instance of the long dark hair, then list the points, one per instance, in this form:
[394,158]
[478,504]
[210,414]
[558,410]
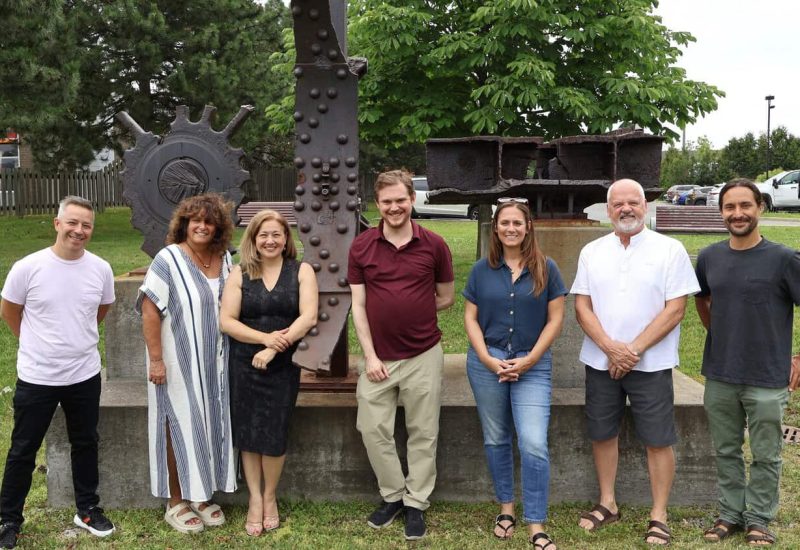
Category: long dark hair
[532,255]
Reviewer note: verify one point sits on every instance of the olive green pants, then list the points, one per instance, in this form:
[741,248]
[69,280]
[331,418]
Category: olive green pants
[732,408]
[416,384]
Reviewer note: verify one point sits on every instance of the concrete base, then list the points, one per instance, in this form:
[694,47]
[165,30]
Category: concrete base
[326,459]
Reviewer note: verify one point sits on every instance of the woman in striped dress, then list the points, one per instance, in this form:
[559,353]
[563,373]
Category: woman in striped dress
[189,428]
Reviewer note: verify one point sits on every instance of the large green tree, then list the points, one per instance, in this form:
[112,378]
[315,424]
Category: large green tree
[440,68]
[39,61]
[147,56]
[747,156]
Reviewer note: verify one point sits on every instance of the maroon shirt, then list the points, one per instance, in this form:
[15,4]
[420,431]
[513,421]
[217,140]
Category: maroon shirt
[400,289]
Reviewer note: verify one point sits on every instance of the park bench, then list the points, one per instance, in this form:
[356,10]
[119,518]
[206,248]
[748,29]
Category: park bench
[689,219]
[247,210]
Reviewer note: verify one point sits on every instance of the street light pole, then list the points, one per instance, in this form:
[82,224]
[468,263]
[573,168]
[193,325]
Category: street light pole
[770,106]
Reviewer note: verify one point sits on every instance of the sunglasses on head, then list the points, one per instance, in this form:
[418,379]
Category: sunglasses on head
[518,200]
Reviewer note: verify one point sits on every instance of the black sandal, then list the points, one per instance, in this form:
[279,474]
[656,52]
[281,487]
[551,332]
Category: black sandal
[505,517]
[666,536]
[722,529]
[539,536]
[764,535]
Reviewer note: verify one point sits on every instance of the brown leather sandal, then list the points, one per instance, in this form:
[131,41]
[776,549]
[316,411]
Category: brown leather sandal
[721,530]
[666,536]
[605,518]
[758,533]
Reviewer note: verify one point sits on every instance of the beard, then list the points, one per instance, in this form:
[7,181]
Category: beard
[741,231]
[628,224]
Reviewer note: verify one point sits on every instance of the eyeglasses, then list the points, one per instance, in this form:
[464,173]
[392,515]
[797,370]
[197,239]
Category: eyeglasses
[518,200]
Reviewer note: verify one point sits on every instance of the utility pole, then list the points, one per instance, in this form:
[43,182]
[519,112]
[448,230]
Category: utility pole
[770,106]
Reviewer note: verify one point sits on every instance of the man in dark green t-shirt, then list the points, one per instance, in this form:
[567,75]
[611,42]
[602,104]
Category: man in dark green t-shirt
[748,289]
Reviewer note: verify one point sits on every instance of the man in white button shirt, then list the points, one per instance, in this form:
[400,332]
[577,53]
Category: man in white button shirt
[631,289]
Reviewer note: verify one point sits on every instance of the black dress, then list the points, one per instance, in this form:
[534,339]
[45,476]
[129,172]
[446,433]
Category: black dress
[262,401]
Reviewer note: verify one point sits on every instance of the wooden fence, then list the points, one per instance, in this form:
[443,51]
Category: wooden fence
[278,184]
[24,191]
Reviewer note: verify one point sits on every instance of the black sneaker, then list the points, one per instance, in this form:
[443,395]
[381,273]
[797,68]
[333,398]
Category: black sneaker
[385,514]
[415,523]
[94,521]
[8,535]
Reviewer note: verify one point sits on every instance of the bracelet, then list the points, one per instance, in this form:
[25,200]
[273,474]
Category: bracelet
[156,360]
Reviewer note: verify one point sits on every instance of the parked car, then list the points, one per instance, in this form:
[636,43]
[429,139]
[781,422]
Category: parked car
[698,197]
[423,209]
[673,192]
[781,191]
[713,195]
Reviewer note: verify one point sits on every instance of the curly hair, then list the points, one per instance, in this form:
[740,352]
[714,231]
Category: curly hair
[250,258]
[214,209]
[532,256]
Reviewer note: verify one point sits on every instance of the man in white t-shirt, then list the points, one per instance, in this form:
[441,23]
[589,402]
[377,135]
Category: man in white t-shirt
[631,289]
[53,300]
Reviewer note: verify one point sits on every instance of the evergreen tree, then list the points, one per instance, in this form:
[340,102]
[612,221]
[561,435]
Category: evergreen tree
[148,56]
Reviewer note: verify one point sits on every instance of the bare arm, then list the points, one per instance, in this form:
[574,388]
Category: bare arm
[151,327]
[475,335]
[375,369]
[445,295]
[102,311]
[703,305]
[309,304]
[664,322]
[794,376]
[230,309]
[12,315]
[617,352]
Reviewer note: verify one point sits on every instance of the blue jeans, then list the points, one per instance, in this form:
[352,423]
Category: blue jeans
[523,406]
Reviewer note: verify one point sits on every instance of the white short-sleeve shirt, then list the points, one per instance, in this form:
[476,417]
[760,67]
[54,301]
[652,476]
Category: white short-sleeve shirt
[629,287]
[58,335]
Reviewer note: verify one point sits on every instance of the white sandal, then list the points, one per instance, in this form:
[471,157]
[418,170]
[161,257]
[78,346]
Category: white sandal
[179,523]
[207,514]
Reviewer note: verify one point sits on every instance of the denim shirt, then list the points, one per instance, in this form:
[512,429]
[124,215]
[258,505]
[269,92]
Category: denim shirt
[511,317]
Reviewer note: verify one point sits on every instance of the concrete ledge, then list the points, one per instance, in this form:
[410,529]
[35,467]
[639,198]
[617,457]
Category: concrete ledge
[327,461]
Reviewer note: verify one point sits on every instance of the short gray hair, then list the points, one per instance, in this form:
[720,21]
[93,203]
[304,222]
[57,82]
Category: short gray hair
[77,201]
[639,185]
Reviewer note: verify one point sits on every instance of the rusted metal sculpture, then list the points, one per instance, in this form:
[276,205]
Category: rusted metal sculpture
[559,178]
[192,158]
[327,201]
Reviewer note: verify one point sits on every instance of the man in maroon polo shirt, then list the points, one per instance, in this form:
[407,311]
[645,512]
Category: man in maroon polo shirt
[400,275]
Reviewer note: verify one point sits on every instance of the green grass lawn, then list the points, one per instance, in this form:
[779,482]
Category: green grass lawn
[341,525]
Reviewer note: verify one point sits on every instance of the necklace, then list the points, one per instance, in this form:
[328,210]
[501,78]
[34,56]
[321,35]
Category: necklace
[199,259]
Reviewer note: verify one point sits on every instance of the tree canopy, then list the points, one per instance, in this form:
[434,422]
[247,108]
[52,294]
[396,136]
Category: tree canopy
[145,57]
[439,68]
[744,157]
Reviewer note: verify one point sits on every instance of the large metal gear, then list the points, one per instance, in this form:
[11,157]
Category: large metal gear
[192,158]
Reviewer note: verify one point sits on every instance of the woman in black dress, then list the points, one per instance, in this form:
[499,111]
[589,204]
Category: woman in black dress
[269,304]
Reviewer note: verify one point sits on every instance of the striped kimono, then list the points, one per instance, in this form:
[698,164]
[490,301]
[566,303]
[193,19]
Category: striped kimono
[195,399]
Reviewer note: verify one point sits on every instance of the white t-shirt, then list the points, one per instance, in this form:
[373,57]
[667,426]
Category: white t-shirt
[629,287]
[58,336]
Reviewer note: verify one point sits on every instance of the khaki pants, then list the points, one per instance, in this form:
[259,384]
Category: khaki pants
[416,384]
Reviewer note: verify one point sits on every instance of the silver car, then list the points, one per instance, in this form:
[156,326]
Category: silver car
[423,209]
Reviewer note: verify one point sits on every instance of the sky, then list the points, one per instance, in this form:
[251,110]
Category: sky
[747,48]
